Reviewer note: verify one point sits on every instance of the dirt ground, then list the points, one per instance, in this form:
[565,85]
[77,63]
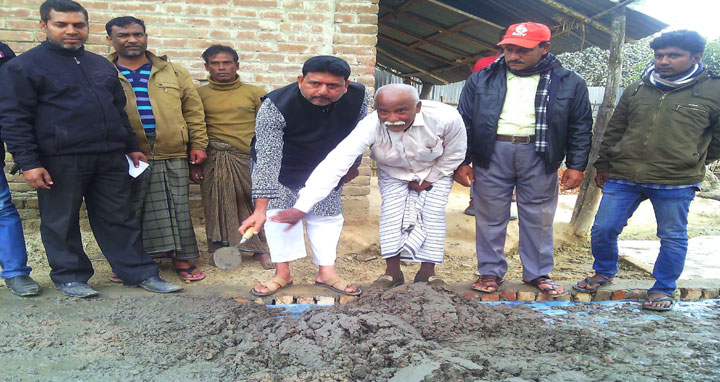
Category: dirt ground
[360,237]
[410,333]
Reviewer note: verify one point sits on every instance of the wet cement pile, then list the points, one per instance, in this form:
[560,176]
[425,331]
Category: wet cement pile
[410,333]
[373,338]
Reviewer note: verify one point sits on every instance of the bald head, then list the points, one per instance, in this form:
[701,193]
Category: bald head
[397,105]
[408,90]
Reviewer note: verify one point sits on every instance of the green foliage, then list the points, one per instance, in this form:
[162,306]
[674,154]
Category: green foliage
[592,63]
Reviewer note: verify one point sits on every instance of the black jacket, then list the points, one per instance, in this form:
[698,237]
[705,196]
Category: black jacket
[570,117]
[6,54]
[60,102]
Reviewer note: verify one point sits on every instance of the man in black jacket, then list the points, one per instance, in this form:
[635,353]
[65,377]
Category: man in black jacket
[62,117]
[524,114]
[13,254]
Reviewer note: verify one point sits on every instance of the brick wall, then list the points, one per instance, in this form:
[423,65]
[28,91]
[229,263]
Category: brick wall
[272,37]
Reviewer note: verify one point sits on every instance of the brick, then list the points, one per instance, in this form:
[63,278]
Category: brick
[241,300]
[15,13]
[691,293]
[563,298]
[544,297]
[325,300]
[603,295]
[490,297]
[16,36]
[582,297]
[260,301]
[256,3]
[525,296]
[346,299]
[20,187]
[31,203]
[470,295]
[284,299]
[711,293]
[123,6]
[305,300]
[508,295]
[341,6]
[620,295]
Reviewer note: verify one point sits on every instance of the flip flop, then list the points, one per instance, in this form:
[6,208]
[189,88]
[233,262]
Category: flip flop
[280,282]
[189,270]
[387,281]
[588,282]
[658,308]
[342,283]
[114,278]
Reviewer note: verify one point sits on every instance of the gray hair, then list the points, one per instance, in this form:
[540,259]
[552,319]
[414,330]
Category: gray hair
[407,89]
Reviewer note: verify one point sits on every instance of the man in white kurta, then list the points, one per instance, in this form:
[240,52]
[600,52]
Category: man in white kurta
[417,146]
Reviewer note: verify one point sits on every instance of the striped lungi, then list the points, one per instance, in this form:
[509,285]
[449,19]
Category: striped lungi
[412,223]
[227,196]
[160,197]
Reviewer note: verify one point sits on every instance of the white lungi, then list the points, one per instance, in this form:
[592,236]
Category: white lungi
[323,233]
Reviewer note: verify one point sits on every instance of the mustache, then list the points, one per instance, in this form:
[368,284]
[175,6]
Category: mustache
[514,62]
[320,97]
[391,124]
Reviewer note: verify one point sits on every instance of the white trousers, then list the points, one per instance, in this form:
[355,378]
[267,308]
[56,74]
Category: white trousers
[323,233]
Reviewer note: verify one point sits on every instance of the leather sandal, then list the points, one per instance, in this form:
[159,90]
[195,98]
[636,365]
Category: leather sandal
[487,283]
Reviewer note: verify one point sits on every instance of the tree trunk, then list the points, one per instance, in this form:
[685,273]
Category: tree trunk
[426,89]
[589,196]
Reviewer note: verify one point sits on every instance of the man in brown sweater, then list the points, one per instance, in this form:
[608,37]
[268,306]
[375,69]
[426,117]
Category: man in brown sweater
[230,110]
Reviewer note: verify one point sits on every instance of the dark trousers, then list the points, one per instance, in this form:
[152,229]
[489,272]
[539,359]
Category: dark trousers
[102,180]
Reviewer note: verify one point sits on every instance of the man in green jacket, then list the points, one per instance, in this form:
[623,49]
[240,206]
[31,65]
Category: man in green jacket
[167,116]
[664,130]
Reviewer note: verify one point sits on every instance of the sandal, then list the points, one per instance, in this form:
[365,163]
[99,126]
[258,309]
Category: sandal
[549,286]
[591,285]
[387,281]
[659,308]
[190,276]
[487,283]
[280,282]
[114,278]
[342,284]
[436,281]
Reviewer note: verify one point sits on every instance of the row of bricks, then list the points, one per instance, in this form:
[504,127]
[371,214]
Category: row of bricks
[288,299]
[601,295]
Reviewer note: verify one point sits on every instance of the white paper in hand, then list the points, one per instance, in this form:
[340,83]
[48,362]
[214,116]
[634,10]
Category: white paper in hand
[135,171]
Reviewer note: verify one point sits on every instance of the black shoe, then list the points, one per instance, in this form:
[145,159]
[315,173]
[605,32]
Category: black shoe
[158,285]
[23,286]
[76,289]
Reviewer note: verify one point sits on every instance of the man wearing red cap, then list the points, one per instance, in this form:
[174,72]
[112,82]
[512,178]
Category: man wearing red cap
[524,115]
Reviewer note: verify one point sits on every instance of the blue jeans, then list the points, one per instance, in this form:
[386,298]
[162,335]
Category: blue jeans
[13,255]
[671,207]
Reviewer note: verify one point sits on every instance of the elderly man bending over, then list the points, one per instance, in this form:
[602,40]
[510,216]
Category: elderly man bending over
[416,147]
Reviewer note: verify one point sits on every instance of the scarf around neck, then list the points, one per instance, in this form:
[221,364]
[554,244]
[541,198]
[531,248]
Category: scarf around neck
[670,83]
[544,69]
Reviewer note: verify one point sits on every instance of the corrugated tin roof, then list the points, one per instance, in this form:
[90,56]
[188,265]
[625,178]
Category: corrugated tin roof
[438,41]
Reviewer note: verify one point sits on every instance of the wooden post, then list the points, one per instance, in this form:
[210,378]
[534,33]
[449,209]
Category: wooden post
[589,196]
[426,89]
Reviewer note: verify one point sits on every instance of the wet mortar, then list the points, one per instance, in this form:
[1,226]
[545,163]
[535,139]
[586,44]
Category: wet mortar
[410,333]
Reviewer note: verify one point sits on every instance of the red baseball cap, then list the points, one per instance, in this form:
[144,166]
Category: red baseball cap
[526,35]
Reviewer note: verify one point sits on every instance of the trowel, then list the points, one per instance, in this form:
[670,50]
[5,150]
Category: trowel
[231,257]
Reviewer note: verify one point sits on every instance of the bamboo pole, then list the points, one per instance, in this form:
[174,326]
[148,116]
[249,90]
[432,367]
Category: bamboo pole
[589,196]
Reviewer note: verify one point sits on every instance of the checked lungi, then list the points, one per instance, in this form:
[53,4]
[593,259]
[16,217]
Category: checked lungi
[413,223]
[160,197]
[226,196]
